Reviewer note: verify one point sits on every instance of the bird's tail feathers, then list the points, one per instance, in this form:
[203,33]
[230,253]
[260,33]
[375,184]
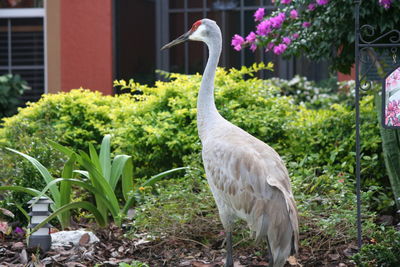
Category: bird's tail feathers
[262,229]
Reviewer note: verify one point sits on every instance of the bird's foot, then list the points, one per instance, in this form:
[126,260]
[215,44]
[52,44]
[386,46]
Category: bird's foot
[229,263]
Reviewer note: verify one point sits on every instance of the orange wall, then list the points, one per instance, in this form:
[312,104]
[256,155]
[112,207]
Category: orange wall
[86,45]
[345,77]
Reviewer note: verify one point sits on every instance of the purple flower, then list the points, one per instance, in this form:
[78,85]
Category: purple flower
[294,14]
[385,3]
[279,49]
[286,40]
[322,2]
[253,47]
[19,231]
[295,35]
[264,28]
[311,7]
[237,42]
[259,14]
[306,24]
[251,38]
[285,2]
[277,21]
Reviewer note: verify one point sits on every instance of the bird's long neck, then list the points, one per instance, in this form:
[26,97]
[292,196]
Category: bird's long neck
[207,113]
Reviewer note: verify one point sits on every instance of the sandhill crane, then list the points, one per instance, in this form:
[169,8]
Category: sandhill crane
[247,177]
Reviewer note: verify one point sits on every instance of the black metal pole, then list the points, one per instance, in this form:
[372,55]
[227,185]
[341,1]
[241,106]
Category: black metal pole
[357,104]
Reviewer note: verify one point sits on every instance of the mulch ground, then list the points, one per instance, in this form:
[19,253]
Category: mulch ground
[113,249]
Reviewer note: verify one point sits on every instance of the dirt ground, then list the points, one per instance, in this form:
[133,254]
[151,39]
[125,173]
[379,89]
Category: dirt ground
[113,248]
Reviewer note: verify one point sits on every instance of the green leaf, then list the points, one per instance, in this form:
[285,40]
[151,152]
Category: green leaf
[75,205]
[127,179]
[17,188]
[65,190]
[159,176]
[45,174]
[94,157]
[105,158]
[84,173]
[101,183]
[64,150]
[117,168]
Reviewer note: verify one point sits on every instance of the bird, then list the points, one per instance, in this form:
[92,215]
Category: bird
[248,179]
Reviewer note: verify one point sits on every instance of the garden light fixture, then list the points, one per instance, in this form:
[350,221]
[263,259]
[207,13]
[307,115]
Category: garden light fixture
[39,211]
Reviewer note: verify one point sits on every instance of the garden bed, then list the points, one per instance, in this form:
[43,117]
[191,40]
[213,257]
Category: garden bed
[114,249]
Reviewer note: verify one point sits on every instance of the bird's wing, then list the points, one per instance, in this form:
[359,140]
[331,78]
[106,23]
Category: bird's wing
[243,168]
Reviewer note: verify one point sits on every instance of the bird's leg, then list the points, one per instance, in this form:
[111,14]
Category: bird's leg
[270,256]
[229,256]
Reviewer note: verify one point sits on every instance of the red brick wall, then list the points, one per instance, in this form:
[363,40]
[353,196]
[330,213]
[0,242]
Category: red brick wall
[86,45]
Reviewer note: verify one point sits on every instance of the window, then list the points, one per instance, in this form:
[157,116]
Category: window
[22,43]
[174,17]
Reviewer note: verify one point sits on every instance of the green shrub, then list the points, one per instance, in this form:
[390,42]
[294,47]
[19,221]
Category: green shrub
[383,250]
[11,88]
[157,127]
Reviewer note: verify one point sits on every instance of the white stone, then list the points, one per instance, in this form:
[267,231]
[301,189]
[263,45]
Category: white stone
[65,238]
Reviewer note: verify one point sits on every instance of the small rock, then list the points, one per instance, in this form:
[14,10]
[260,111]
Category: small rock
[342,264]
[64,238]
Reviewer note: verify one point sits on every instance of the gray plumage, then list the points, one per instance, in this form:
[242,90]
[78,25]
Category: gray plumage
[247,177]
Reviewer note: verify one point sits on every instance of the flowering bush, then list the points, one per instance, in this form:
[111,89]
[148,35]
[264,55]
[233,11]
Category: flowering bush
[319,29]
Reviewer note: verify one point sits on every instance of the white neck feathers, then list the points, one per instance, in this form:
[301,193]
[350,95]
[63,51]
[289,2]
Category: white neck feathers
[207,114]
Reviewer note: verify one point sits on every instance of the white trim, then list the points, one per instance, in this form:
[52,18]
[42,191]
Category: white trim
[22,13]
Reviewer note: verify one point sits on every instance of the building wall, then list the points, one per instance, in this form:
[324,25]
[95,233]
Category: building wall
[83,55]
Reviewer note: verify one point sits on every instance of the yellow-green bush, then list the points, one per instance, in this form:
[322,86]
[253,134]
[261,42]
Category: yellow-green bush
[157,127]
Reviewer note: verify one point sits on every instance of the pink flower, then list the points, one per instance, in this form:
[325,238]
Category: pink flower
[294,14]
[253,47]
[286,40]
[237,42]
[392,112]
[259,14]
[306,24]
[311,7]
[295,35]
[322,2]
[269,47]
[264,28]
[385,3]
[251,38]
[277,21]
[285,2]
[279,49]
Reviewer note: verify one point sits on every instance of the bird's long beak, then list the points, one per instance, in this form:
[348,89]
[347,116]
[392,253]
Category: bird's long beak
[180,39]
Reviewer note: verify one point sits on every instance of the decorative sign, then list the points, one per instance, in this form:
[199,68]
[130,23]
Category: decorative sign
[391,100]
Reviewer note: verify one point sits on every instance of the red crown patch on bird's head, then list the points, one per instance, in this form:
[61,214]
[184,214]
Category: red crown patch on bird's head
[195,26]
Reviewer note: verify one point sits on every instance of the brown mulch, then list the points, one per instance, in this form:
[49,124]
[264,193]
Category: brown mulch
[114,248]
